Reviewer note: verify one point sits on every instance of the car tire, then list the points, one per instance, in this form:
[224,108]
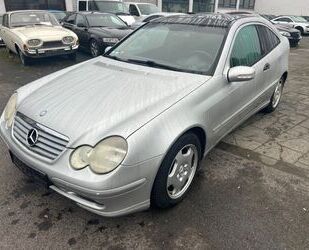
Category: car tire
[177,171]
[95,49]
[276,97]
[301,30]
[24,59]
[72,56]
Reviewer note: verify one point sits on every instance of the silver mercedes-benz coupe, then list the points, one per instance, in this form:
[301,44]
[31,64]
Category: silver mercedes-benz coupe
[127,130]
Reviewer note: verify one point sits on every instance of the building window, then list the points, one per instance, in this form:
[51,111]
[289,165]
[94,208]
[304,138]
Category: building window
[246,4]
[11,5]
[227,3]
[203,6]
[175,6]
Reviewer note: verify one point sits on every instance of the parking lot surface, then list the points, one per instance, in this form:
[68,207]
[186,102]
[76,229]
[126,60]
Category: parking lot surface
[251,192]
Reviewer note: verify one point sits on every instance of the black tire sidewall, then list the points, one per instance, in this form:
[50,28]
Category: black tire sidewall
[159,195]
[98,47]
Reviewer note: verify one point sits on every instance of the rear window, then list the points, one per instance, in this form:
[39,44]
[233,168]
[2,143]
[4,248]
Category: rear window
[269,39]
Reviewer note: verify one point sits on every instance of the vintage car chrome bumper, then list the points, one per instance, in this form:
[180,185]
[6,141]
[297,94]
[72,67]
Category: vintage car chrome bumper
[45,52]
[125,190]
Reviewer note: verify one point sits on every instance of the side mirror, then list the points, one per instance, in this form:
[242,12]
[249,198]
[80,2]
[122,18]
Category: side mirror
[241,74]
[81,25]
[107,49]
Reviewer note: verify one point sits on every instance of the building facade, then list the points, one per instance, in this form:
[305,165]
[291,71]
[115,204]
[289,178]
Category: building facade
[277,7]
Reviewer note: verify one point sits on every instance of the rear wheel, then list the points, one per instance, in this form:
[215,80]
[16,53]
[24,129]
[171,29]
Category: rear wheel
[176,172]
[276,97]
[95,49]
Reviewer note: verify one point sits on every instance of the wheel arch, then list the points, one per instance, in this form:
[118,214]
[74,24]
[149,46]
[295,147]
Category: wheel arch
[285,76]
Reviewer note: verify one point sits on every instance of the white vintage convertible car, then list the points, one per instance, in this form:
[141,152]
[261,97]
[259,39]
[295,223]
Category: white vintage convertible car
[36,33]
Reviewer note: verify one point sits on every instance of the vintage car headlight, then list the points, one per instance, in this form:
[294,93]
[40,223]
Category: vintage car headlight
[34,42]
[68,39]
[103,158]
[110,40]
[10,110]
[284,33]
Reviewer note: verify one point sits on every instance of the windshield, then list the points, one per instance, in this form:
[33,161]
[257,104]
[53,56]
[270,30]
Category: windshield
[59,15]
[32,18]
[1,17]
[180,47]
[147,9]
[105,20]
[109,6]
[299,19]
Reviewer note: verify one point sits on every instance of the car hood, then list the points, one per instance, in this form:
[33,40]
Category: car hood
[104,97]
[111,32]
[42,32]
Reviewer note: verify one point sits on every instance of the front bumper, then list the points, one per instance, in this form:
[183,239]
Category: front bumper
[125,190]
[46,52]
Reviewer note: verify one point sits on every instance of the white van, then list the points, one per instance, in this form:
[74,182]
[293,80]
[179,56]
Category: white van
[108,6]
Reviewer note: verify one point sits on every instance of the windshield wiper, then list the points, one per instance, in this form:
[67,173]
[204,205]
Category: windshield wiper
[155,64]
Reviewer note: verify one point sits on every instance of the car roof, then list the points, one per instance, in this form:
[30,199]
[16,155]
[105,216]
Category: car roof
[203,19]
[22,11]
[91,13]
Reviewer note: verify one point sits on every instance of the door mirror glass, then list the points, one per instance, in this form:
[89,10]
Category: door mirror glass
[241,74]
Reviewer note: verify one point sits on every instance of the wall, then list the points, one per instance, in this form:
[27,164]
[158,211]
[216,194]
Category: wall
[283,7]
[2,6]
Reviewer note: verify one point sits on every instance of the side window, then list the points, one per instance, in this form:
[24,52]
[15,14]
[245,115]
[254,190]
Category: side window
[246,49]
[284,19]
[268,39]
[71,19]
[5,21]
[81,20]
[82,6]
[133,10]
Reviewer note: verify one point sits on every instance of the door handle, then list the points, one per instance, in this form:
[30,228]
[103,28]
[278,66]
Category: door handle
[266,67]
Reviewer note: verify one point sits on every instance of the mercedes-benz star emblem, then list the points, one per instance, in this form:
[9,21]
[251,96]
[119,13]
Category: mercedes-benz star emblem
[32,137]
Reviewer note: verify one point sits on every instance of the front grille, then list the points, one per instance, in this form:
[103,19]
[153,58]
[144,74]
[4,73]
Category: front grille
[52,44]
[50,144]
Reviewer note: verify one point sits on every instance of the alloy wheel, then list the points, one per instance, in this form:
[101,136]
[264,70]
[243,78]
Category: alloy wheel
[182,171]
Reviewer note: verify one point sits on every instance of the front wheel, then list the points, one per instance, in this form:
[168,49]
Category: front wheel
[24,59]
[176,172]
[94,48]
[276,97]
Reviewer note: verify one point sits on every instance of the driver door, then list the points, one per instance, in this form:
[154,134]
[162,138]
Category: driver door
[236,100]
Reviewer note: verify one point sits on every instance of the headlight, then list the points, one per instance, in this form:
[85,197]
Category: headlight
[110,40]
[68,39]
[10,110]
[103,158]
[284,33]
[35,43]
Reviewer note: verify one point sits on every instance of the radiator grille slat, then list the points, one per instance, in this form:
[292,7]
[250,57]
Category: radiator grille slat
[50,144]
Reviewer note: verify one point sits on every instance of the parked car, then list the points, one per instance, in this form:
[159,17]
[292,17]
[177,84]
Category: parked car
[306,17]
[296,22]
[153,16]
[35,33]
[96,31]
[142,10]
[59,15]
[116,7]
[292,34]
[1,40]
[127,130]
[268,17]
